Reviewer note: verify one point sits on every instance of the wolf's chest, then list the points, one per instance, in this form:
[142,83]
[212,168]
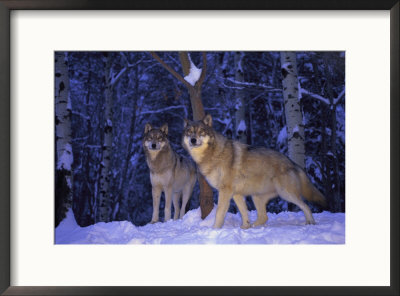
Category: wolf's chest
[160,179]
[214,178]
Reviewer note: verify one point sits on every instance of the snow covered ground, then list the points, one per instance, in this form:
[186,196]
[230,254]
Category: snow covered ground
[282,228]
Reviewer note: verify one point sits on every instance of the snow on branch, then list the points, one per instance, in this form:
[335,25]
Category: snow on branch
[81,115]
[194,73]
[302,92]
[162,110]
[326,101]
[252,84]
[170,69]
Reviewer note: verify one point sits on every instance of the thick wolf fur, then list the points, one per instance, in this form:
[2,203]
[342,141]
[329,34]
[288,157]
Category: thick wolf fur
[237,170]
[169,173]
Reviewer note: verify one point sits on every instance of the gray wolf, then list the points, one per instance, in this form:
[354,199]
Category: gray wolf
[237,170]
[169,173]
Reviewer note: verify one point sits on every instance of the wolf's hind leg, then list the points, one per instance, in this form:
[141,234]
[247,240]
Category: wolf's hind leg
[222,208]
[175,200]
[156,192]
[289,188]
[241,204]
[260,202]
[294,197]
[306,210]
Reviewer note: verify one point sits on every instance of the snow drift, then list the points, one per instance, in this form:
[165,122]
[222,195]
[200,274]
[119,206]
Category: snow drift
[282,228]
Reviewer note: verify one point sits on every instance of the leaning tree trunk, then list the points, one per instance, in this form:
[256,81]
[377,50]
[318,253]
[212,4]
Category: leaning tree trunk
[103,206]
[240,115]
[194,88]
[64,156]
[206,193]
[293,114]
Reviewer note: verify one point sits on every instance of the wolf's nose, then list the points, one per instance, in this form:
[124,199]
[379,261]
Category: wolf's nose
[153,146]
[193,140]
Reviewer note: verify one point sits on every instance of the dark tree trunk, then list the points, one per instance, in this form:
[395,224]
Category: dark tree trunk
[240,114]
[122,191]
[325,162]
[335,164]
[206,193]
[103,206]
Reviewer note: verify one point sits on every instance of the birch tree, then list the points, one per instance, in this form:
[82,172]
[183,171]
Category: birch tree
[329,127]
[240,115]
[110,79]
[293,114]
[64,154]
[193,80]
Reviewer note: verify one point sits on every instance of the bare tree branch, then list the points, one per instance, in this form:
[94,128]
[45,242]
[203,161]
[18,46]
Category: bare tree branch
[339,97]
[171,70]
[252,84]
[162,110]
[128,66]
[302,92]
[186,62]
[203,71]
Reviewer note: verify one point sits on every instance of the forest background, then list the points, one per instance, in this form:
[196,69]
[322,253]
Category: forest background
[292,102]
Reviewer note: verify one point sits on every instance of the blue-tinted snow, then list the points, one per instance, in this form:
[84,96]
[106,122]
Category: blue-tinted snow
[282,228]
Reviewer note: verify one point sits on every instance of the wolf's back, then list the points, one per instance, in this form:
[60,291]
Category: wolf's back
[308,190]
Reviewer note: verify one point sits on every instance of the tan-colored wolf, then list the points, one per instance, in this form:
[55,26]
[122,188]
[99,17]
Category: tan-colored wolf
[169,173]
[237,170]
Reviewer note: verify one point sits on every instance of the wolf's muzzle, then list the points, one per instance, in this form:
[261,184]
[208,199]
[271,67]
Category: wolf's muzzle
[193,141]
[153,146]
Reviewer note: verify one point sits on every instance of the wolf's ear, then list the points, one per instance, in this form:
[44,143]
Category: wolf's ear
[207,120]
[185,122]
[164,128]
[147,128]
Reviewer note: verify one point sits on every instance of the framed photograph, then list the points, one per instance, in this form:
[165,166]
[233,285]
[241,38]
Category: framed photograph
[207,148]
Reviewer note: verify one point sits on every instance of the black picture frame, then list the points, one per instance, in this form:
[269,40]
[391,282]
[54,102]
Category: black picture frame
[6,6]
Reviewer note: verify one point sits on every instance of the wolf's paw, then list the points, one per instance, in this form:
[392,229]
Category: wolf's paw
[259,223]
[310,222]
[153,221]
[245,226]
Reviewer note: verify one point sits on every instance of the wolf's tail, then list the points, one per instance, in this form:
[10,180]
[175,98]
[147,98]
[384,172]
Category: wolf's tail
[309,192]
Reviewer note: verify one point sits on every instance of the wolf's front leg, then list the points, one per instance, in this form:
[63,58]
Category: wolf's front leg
[156,192]
[186,193]
[168,203]
[175,200]
[223,205]
[241,204]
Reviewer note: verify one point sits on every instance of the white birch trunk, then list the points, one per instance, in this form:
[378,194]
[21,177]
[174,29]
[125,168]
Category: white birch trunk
[103,205]
[63,138]
[240,114]
[293,114]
